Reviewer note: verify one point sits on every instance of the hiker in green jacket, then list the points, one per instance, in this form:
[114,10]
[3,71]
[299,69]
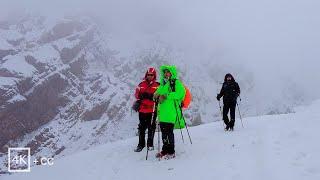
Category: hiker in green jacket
[170,94]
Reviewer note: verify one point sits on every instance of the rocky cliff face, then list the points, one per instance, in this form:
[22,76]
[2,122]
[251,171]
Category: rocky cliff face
[56,76]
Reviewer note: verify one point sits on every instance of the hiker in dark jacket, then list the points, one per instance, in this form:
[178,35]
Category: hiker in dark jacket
[146,107]
[230,91]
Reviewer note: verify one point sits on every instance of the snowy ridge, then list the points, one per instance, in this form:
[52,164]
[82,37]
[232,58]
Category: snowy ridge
[269,147]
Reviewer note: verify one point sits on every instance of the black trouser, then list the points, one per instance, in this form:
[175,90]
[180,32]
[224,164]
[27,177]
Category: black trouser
[146,123]
[232,107]
[167,137]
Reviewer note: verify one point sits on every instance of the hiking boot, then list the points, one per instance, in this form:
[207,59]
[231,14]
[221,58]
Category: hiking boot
[227,128]
[170,156]
[160,154]
[138,149]
[151,148]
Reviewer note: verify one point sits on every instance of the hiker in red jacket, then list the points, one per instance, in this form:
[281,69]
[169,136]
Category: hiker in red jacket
[145,105]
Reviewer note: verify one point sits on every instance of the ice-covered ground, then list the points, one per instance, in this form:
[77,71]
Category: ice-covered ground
[268,147]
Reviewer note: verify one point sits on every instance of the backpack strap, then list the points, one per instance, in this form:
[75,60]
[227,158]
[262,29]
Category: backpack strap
[173,85]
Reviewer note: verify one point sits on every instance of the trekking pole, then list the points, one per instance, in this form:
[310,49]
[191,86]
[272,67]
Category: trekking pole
[177,118]
[187,131]
[180,129]
[158,124]
[220,108]
[221,113]
[240,114]
[185,124]
[151,122]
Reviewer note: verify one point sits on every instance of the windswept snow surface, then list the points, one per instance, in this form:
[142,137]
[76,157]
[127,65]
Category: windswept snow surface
[271,147]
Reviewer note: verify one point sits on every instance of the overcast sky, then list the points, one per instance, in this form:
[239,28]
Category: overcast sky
[274,39]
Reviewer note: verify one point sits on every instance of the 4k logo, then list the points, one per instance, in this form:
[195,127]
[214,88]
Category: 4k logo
[19,160]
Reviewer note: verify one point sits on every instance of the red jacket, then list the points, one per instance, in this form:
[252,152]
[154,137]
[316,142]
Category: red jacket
[145,91]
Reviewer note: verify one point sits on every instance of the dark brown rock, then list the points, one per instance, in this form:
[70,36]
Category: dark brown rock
[41,106]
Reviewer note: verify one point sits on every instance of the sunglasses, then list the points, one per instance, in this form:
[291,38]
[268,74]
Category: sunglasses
[150,75]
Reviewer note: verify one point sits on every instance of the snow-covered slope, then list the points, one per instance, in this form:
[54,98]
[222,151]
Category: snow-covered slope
[273,147]
[66,83]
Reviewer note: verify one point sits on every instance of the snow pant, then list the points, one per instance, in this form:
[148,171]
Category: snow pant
[146,123]
[167,137]
[229,106]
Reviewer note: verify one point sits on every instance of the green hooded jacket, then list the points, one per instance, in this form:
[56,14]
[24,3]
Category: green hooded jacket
[169,110]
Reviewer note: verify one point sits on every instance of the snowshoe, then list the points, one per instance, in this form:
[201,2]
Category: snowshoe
[138,149]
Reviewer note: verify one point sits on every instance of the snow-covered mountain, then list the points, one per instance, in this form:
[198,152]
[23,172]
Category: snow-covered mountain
[56,77]
[66,85]
[273,147]
[63,89]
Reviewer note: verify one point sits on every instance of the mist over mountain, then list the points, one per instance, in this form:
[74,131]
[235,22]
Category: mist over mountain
[68,70]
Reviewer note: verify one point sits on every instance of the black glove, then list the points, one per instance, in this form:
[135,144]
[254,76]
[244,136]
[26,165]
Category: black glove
[150,97]
[143,95]
[146,96]
[218,97]
[136,105]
